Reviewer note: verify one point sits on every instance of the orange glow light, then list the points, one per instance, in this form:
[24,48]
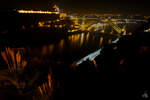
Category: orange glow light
[37,12]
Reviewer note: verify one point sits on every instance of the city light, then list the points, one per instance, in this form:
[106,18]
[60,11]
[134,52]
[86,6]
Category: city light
[37,12]
[38,47]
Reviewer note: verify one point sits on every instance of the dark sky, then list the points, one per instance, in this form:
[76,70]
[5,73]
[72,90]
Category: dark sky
[99,6]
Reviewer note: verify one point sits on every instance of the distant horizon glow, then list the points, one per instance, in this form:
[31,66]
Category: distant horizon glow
[83,6]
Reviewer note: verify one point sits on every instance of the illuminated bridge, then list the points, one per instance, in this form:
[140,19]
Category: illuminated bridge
[98,24]
[101,24]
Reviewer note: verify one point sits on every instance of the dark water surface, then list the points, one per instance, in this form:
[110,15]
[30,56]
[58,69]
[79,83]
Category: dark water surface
[71,48]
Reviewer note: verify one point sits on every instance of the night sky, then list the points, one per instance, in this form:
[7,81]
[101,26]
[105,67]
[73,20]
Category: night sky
[85,6]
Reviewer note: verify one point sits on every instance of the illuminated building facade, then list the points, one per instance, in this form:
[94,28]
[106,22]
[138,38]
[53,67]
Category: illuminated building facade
[25,19]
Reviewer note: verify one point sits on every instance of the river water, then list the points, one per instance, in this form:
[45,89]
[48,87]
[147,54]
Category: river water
[40,60]
[71,48]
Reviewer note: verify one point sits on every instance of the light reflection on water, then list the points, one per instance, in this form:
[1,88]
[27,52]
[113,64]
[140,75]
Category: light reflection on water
[66,50]
[76,46]
[101,41]
[71,48]
[109,41]
[82,39]
[77,40]
[51,48]
[61,45]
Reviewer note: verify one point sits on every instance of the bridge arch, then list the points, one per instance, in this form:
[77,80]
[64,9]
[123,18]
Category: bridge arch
[96,27]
